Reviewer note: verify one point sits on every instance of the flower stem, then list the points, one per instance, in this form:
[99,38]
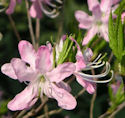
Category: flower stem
[37,32]
[30,24]
[14,27]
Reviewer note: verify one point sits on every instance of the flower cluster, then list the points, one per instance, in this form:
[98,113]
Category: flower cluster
[98,22]
[36,69]
[37,8]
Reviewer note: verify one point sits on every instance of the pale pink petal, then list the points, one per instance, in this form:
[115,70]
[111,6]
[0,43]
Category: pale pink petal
[96,11]
[51,51]
[61,72]
[35,10]
[92,3]
[64,85]
[64,98]
[106,5]
[85,21]
[89,86]
[48,88]
[23,72]
[11,8]
[80,62]
[43,61]
[8,70]
[90,34]
[115,2]
[27,52]
[104,32]
[123,17]
[23,100]
[105,18]
[115,87]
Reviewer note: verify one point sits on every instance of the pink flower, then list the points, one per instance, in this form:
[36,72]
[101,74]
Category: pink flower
[39,6]
[12,5]
[36,69]
[98,22]
[35,9]
[81,62]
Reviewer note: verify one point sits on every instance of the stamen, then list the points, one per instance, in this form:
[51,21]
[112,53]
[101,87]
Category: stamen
[27,83]
[53,13]
[59,1]
[100,81]
[97,58]
[93,67]
[96,76]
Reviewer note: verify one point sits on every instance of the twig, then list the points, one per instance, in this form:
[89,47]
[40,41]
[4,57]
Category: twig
[71,80]
[92,104]
[30,24]
[14,27]
[33,112]
[80,93]
[51,113]
[21,114]
[46,111]
[93,98]
[60,110]
[121,106]
[104,115]
[37,32]
[45,107]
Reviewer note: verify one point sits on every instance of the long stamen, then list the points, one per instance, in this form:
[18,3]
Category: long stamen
[96,76]
[93,67]
[100,81]
[59,1]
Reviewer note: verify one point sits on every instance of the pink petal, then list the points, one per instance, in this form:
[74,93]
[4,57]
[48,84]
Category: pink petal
[61,72]
[92,3]
[115,2]
[23,72]
[43,62]
[64,85]
[96,11]
[64,98]
[35,10]
[48,88]
[89,86]
[11,8]
[104,32]
[90,34]
[123,17]
[27,52]
[8,70]
[85,21]
[23,100]
[106,5]
[80,62]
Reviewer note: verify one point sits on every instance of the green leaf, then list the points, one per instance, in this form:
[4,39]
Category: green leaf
[121,7]
[67,46]
[116,41]
[119,35]
[112,38]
